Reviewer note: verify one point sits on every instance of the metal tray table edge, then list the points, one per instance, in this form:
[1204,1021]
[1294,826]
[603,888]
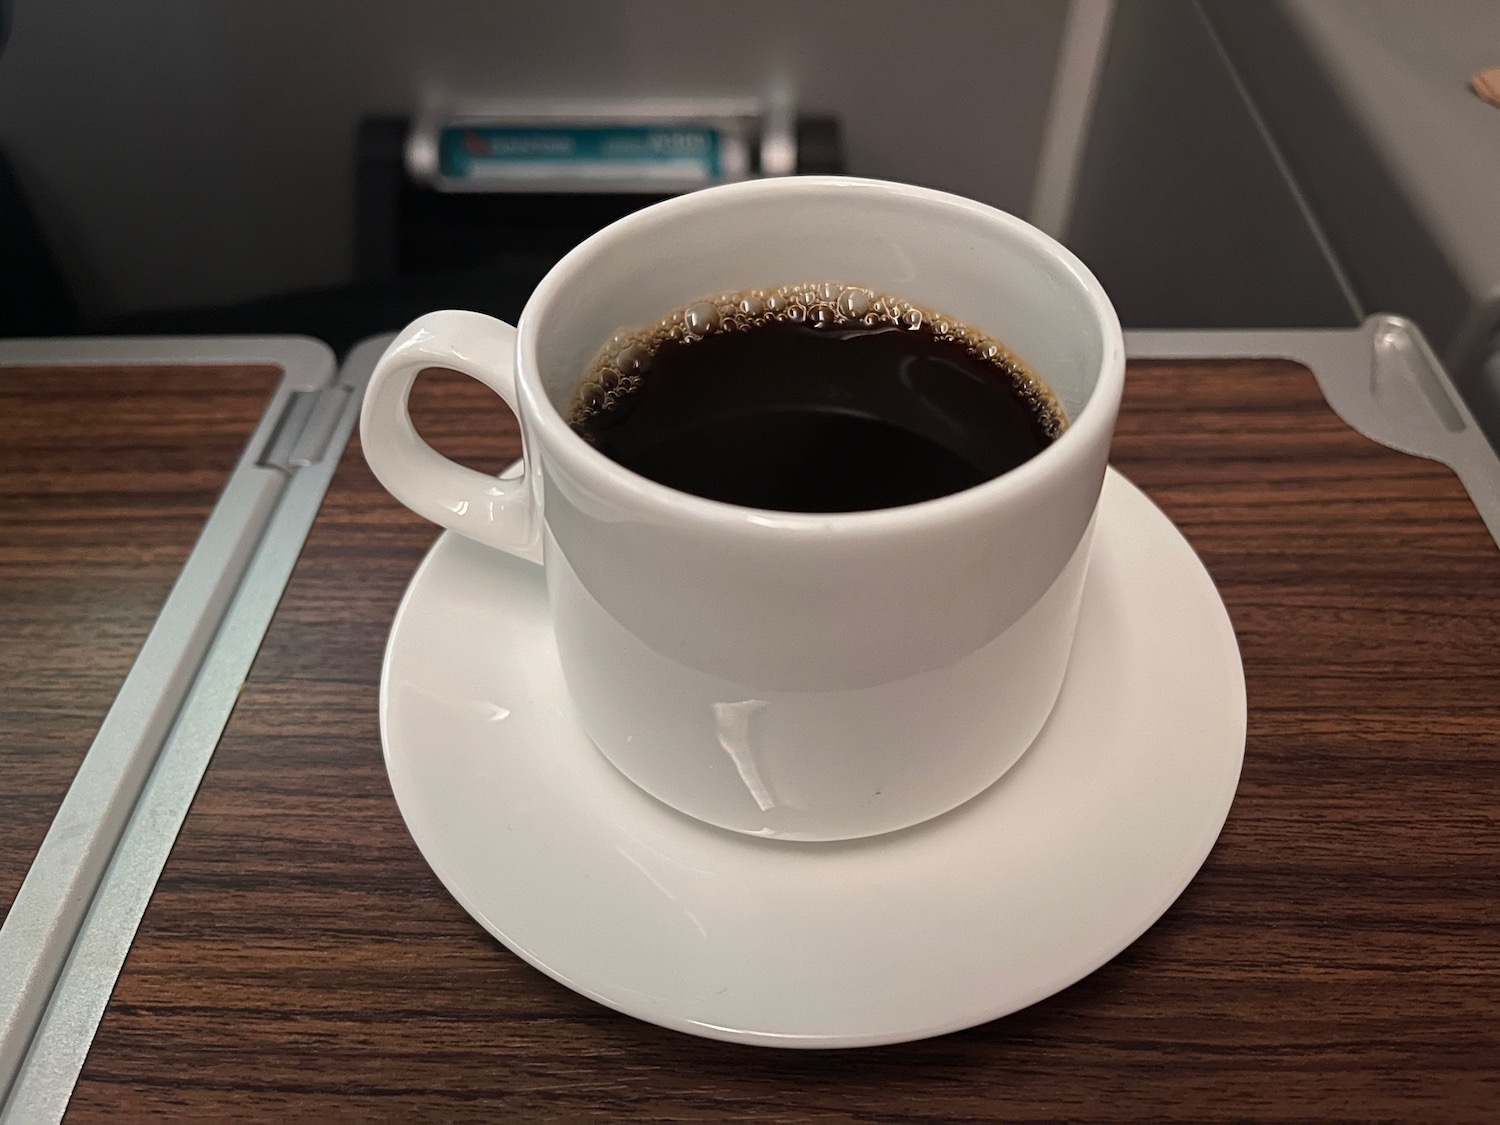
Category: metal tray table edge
[75,915]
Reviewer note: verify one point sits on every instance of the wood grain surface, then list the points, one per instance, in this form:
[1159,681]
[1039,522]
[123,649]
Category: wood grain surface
[1338,957]
[106,477]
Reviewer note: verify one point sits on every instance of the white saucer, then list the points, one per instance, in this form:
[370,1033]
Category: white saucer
[1029,887]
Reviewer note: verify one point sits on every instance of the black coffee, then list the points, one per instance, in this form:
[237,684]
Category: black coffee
[813,398]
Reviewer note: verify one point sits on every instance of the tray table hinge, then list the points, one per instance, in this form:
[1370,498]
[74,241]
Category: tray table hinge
[305,428]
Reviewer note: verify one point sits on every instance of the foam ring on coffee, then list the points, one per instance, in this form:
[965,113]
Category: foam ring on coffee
[615,370]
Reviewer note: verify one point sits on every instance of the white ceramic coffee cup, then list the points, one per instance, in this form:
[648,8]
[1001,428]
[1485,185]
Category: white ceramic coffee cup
[808,677]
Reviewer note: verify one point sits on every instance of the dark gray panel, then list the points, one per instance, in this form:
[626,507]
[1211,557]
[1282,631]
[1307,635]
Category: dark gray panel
[1182,209]
[182,153]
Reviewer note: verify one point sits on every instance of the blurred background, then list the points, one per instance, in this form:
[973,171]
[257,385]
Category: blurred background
[177,167]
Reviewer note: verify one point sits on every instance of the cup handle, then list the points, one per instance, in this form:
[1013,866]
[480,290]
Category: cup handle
[500,513]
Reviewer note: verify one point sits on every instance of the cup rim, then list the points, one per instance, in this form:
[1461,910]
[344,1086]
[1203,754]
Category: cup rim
[551,431]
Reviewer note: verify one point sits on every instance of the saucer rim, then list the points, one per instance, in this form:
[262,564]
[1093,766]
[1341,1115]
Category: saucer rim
[1191,859]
